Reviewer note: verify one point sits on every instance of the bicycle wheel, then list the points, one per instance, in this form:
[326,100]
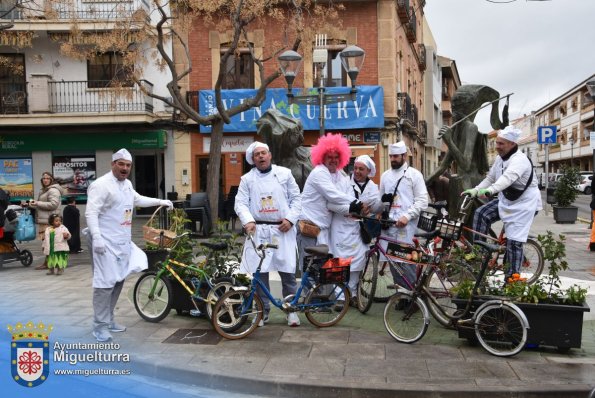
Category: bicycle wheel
[366,286]
[220,287]
[501,329]
[155,307]
[533,262]
[439,285]
[325,308]
[235,315]
[405,319]
[384,283]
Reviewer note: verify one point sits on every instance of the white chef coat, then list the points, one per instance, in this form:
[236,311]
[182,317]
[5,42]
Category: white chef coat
[110,204]
[318,191]
[410,199]
[516,215]
[370,196]
[345,237]
[269,197]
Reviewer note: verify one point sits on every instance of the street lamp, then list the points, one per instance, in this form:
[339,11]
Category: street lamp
[352,59]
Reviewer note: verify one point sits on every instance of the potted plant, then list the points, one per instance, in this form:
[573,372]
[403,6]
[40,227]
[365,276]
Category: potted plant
[565,195]
[555,315]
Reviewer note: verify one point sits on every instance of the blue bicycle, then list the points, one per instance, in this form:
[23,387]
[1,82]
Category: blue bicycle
[322,295]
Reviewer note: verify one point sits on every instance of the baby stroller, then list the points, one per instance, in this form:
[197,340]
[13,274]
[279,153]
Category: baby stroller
[9,251]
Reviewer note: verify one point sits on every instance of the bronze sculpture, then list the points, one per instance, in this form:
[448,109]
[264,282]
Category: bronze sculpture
[285,135]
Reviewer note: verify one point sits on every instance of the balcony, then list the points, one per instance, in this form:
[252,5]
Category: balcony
[80,10]
[411,28]
[403,10]
[52,97]
[407,113]
[421,59]
[423,131]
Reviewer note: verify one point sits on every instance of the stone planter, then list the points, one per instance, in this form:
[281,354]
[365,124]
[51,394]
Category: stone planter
[565,215]
[554,325]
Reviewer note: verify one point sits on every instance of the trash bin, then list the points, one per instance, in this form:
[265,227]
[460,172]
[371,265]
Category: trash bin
[550,198]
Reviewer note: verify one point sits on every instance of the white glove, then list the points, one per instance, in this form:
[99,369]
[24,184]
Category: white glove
[98,245]
[168,203]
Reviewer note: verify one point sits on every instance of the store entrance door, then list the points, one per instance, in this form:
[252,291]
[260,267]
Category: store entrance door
[146,179]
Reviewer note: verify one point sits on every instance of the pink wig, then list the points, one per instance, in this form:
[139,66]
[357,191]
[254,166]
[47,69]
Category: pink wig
[331,143]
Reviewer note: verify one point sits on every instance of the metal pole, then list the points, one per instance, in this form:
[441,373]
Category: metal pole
[547,174]
[321,97]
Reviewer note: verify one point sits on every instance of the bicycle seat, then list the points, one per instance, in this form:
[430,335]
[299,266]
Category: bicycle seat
[427,235]
[216,246]
[317,251]
[489,247]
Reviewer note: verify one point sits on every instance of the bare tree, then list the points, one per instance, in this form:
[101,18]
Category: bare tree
[166,23]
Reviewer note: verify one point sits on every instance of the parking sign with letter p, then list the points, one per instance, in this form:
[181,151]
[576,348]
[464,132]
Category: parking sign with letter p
[546,134]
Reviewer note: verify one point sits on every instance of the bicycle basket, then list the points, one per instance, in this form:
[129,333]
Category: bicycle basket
[317,263]
[449,229]
[427,221]
[158,236]
[335,270]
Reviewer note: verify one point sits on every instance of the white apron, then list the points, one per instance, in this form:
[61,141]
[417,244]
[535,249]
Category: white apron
[268,202]
[345,238]
[122,257]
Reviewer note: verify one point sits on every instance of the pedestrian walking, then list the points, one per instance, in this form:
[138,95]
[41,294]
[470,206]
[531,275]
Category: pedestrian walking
[72,220]
[110,202]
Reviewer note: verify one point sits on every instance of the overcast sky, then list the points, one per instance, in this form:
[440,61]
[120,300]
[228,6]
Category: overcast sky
[536,49]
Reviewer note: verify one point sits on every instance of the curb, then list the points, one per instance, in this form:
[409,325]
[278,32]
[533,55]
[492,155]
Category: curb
[290,387]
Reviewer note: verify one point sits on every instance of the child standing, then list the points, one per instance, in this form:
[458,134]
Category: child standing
[55,245]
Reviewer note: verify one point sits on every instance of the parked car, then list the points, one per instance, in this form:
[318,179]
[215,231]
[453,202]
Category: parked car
[553,179]
[585,183]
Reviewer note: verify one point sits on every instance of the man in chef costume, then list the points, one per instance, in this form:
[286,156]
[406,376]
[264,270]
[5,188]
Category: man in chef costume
[403,188]
[110,202]
[511,171]
[268,204]
[328,156]
[345,234]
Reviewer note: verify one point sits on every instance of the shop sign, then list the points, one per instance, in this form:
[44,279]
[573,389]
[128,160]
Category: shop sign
[355,138]
[74,174]
[83,141]
[372,137]
[16,178]
[366,111]
[229,144]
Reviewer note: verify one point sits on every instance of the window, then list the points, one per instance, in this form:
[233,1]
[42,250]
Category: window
[333,71]
[239,72]
[107,69]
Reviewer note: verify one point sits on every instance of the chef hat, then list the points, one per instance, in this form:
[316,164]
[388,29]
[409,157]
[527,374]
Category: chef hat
[251,148]
[365,159]
[397,148]
[510,133]
[122,154]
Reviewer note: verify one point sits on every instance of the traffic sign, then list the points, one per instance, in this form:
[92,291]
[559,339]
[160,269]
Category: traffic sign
[546,134]
[592,137]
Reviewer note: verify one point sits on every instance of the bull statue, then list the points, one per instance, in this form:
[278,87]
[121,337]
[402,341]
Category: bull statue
[285,135]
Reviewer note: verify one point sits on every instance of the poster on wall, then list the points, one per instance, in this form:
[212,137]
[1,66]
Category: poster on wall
[74,174]
[16,178]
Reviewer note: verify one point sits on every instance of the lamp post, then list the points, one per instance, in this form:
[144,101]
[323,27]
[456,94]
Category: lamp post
[352,59]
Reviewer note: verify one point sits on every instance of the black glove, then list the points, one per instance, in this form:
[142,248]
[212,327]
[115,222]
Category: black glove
[387,198]
[356,206]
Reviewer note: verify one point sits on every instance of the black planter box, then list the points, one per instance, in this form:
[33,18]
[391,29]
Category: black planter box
[565,215]
[155,256]
[182,302]
[549,324]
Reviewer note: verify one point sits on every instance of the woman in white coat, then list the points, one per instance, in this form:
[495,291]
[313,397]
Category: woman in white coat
[268,204]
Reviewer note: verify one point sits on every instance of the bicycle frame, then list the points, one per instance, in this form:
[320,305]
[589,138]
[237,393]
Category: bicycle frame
[281,304]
